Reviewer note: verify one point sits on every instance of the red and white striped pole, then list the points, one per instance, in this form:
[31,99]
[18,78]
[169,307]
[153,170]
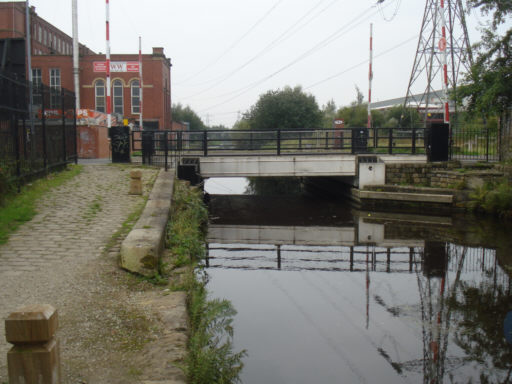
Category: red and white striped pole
[141,124]
[442,48]
[370,78]
[109,102]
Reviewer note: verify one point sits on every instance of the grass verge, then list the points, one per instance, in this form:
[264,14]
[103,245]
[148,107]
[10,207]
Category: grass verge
[210,357]
[21,207]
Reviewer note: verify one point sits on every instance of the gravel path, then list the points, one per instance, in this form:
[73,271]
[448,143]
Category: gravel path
[58,258]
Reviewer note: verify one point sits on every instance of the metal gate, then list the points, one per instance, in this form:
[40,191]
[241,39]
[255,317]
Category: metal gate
[120,142]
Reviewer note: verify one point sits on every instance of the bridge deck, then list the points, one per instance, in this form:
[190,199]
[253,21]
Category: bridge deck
[295,166]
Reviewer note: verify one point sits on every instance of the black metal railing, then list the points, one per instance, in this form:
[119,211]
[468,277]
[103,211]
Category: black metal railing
[32,146]
[153,145]
[165,147]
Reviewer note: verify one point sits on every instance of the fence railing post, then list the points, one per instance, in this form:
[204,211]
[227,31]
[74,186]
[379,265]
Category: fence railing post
[390,141]
[75,130]
[64,147]
[278,142]
[179,144]
[43,128]
[205,143]
[486,140]
[16,141]
[35,357]
[166,151]
[414,141]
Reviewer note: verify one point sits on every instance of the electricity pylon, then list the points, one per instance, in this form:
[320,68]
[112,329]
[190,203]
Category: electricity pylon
[443,52]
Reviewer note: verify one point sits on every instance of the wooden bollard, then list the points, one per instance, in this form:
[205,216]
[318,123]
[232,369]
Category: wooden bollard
[35,357]
[135,183]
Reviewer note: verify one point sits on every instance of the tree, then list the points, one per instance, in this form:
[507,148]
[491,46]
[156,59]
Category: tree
[186,114]
[487,88]
[359,96]
[329,114]
[288,108]
[354,115]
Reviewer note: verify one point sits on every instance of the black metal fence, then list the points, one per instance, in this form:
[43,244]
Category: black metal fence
[475,141]
[32,146]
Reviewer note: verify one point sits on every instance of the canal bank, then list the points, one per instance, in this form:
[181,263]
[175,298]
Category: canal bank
[436,187]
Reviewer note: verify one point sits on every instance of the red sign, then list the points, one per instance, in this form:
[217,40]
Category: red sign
[442,44]
[339,123]
[100,66]
[116,66]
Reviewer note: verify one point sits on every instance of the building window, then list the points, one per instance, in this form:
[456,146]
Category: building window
[99,95]
[36,84]
[135,92]
[54,87]
[117,92]
[40,35]
[45,37]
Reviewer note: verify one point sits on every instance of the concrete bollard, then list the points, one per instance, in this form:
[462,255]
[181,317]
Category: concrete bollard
[135,183]
[35,357]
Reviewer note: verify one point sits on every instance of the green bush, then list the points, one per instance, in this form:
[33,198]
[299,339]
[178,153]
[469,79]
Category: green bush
[187,229]
[494,198]
[211,358]
[6,186]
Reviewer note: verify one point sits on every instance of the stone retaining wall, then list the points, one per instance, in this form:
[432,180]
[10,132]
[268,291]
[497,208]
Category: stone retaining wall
[441,175]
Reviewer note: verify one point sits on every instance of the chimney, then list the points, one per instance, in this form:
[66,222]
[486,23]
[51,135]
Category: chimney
[158,51]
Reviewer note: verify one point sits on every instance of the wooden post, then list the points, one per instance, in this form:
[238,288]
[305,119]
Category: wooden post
[136,182]
[35,356]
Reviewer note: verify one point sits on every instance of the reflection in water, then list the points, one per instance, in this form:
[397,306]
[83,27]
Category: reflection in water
[368,307]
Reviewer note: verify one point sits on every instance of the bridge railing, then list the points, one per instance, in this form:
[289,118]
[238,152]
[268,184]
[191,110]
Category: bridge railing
[165,147]
[299,141]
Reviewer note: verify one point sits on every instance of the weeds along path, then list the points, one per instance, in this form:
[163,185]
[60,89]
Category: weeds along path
[59,258]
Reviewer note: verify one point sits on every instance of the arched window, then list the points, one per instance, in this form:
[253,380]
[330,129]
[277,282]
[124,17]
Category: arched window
[117,92]
[99,95]
[135,92]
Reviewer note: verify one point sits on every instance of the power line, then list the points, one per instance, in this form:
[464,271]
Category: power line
[364,62]
[328,40]
[278,40]
[260,20]
[413,38]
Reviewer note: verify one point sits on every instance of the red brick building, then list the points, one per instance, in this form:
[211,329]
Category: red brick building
[45,38]
[52,64]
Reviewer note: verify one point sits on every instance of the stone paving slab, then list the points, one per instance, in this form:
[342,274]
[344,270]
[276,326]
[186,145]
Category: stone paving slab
[45,260]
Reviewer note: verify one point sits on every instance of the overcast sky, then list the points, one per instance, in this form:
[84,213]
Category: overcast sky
[225,53]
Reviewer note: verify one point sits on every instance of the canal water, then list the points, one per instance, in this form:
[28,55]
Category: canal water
[327,294]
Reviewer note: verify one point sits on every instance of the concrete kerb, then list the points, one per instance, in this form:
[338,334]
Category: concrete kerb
[141,250]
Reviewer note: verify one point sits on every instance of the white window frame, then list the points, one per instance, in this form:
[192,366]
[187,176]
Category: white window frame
[117,107]
[100,84]
[135,99]
[55,86]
